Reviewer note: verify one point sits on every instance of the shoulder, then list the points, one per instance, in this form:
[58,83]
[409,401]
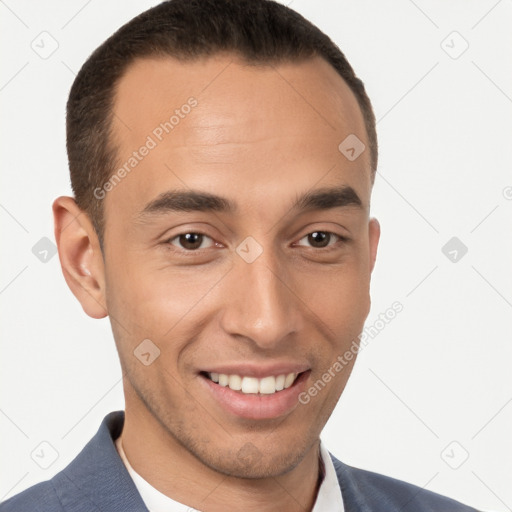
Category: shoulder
[366,490]
[95,480]
[38,498]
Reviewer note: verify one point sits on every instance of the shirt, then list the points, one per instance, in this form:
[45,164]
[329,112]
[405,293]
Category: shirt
[328,498]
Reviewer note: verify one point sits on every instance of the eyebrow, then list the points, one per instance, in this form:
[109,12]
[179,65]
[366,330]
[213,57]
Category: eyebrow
[326,198]
[192,200]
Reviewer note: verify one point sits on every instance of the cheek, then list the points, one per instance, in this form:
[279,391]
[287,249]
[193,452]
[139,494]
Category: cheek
[154,299]
[339,296]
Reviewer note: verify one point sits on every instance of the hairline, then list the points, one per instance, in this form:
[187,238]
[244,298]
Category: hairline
[159,55]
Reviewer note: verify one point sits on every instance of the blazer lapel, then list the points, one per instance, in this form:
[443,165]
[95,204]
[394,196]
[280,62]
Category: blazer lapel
[353,497]
[97,480]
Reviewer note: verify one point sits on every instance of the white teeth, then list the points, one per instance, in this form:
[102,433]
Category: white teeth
[252,385]
[235,382]
[268,385]
[289,380]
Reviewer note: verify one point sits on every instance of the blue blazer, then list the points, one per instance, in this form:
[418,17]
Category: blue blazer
[97,481]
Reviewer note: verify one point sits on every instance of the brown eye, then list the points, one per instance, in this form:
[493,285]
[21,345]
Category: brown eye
[191,241]
[320,239]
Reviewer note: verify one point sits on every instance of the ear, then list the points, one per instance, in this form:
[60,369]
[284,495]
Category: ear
[374,236]
[80,256]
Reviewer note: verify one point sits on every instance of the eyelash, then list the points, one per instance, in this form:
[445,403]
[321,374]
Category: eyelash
[341,239]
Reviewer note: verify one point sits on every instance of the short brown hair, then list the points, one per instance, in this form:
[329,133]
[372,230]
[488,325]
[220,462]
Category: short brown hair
[259,31]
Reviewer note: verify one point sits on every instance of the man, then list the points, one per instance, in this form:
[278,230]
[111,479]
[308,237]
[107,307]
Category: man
[222,156]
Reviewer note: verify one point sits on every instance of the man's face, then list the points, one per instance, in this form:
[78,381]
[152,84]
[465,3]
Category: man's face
[255,285]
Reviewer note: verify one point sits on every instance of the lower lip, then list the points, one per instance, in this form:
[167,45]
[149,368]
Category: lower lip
[257,406]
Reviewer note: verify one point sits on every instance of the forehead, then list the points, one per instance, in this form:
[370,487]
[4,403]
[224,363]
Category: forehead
[235,90]
[220,123]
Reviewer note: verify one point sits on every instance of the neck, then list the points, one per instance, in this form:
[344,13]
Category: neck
[171,469]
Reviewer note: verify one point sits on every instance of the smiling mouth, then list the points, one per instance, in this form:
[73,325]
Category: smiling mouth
[252,385]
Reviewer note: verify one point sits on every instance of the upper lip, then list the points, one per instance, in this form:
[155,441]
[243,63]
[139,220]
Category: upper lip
[258,370]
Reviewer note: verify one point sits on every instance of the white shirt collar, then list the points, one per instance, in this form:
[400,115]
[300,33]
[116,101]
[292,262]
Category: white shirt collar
[328,499]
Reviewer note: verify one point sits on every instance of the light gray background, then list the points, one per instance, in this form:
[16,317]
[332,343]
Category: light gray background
[434,386]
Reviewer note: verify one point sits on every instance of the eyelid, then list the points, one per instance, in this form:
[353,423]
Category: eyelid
[169,240]
[214,243]
[341,238]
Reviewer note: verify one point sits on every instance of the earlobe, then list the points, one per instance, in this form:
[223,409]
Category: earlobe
[80,256]
[374,236]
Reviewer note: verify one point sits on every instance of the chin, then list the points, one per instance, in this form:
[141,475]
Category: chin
[249,462]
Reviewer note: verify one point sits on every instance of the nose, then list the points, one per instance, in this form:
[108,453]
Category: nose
[261,305]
